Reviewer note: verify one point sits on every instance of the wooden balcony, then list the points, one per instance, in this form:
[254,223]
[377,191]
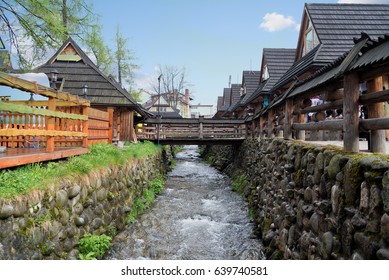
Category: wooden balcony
[40,130]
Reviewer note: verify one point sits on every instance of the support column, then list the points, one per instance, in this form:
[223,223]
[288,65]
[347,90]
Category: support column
[350,113]
[376,110]
[288,119]
[270,123]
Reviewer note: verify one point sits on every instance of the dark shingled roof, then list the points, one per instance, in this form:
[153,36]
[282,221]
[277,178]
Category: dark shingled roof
[251,79]
[219,102]
[102,90]
[278,61]
[226,99]
[337,25]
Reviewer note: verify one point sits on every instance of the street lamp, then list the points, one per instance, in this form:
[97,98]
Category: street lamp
[85,91]
[54,78]
[159,104]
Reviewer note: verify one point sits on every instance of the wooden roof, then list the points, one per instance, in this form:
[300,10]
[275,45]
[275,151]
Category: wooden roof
[77,69]
[278,61]
[336,26]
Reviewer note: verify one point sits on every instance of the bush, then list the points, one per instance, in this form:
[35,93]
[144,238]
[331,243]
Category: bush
[92,246]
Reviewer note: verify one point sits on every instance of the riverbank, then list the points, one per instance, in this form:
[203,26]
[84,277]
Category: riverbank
[311,202]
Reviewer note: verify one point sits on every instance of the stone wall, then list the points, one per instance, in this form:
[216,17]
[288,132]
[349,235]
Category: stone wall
[313,202]
[47,224]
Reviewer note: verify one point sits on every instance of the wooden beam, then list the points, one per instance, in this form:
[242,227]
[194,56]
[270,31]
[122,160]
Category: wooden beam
[322,107]
[350,113]
[42,103]
[374,124]
[375,97]
[323,125]
[15,82]
[375,111]
[85,127]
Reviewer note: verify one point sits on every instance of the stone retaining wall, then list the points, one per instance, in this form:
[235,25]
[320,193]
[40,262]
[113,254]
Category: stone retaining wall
[47,224]
[313,202]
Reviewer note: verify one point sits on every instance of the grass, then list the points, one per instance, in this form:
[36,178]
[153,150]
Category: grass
[23,179]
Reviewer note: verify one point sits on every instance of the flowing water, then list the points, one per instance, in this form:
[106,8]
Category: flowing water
[197,217]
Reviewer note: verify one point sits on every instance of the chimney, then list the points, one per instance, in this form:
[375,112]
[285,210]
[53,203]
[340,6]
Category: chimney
[187,96]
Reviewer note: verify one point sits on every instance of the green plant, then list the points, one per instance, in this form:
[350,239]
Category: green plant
[239,183]
[93,246]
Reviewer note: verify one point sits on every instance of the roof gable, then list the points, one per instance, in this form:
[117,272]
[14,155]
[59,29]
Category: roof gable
[337,25]
[76,69]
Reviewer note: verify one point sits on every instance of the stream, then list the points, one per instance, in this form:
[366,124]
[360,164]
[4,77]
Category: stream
[197,217]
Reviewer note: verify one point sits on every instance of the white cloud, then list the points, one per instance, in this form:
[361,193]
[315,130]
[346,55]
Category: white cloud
[276,22]
[364,1]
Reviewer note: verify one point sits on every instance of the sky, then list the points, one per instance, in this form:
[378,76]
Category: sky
[212,39]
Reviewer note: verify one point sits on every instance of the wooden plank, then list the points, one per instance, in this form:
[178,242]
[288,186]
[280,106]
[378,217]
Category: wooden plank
[85,127]
[50,126]
[12,161]
[42,103]
[350,113]
[15,108]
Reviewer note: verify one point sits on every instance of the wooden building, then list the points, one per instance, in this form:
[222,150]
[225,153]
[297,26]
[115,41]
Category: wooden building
[78,75]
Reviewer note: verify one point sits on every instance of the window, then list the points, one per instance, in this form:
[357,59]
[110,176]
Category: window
[265,73]
[310,39]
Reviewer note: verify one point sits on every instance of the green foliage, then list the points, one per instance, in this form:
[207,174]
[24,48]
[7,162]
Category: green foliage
[239,183]
[34,26]
[141,204]
[23,179]
[93,246]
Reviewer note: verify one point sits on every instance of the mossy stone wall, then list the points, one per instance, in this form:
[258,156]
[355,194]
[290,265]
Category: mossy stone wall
[313,202]
[47,224]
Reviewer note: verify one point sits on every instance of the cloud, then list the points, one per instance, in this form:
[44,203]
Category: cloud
[276,22]
[364,1]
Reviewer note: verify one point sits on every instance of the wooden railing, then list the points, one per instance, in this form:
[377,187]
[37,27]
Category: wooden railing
[191,129]
[38,130]
[287,116]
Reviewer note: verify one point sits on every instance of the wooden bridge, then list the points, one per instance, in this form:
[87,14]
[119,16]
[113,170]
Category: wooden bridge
[193,131]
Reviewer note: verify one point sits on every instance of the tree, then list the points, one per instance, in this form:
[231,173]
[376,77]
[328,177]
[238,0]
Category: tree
[172,82]
[104,58]
[124,60]
[36,26]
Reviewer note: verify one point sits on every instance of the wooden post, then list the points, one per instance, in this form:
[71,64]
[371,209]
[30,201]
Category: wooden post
[201,119]
[270,123]
[300,135]
[288,119]
[50,126]
[376,110]
[110,125]
[350,113]
[385,84]
[261,126]
[85,127]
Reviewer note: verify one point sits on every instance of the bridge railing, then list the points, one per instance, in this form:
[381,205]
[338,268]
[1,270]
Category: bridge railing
[195,129]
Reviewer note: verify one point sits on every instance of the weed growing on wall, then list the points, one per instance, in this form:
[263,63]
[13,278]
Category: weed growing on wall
[92,246]
[156,186]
